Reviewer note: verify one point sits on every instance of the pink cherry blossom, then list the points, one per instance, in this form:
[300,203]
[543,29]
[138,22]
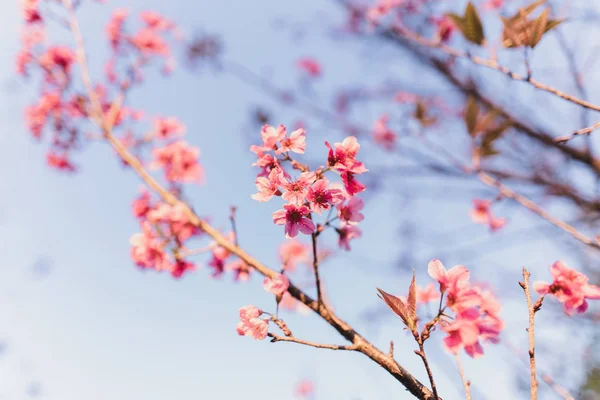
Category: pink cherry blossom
[156,21]
[310,66]
[292,252]
[383,135]
[427,294]
[347,232]
[147,250]
[295,218]
[114,29]
[482,214]
[31,13]
[296,142]
[241,271]
[166,128]
[254,327]
[350,212]
[248,312]
[351,184]
[150,43]
[180,267]
[268,187]
[321,197]
[59,162]
[277,285]
[343,158]
[179,161]
[271,136]
[445,27]
[456,276]
[295,191]
[177,220]
[141,205]
[570,287]
[305,389]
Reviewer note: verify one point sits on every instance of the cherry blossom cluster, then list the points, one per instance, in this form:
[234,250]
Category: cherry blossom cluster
[310,192]
[165,230]
[570,287]
[481,214]
[251,325]
[476,310]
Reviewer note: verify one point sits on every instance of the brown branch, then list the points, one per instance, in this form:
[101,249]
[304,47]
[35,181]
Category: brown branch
[530,205]
[363,346]
[584,131]
[275,338]
[466,383]
[558,389]
[532,310]
[492,64]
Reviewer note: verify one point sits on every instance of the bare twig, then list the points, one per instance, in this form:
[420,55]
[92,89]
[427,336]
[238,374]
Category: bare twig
[316,267]
[421,353]
[584,131]
[525,202]
[461,371]
[275,338]
[532,310]
[558,389]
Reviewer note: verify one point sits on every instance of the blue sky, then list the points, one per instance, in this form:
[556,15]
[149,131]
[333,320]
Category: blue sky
[90,325]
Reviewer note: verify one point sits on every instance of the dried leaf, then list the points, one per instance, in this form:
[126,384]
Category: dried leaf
[421,114]
[537,28]
[471,113]
[458,21]
[397,306]
[412,299]
[473,31]
[553,23]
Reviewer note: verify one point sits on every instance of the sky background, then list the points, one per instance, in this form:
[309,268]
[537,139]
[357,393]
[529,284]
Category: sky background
[79,320]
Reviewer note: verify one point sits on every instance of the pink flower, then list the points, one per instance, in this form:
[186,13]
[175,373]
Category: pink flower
[255,328]
[482,214]
[295,191]
[31,13]
[296,142]
[267,187]
[310,66]
[295,219]
[351,185]
[383,135]
[177,219]
[147,251]
[456,276]
[445,27]
[347,232]
[165,128]
[271,136]
[321,197]
[570,287]
[305,389]
[156,21]
[60,162]
[464,332]
[149,43]
[277,285]
[180,162]
[350,212]
[180,267]
[249,312]
[291,252]
[141,205]
[114,29]
[241,271]
[343,158]
[430,293]
[493,4]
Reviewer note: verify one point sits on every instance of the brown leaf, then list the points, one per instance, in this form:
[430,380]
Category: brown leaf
[412,299]
[471,113]
[397,306]
[553,23]
[473,31]
[537,28]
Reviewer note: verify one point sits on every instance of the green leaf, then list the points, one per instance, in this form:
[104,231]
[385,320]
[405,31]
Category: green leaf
[473,31]
[537,28]
[471,113]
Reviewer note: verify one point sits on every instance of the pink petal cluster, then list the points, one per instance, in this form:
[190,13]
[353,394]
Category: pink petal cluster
[427,294]
[278,285]
[179,162]
[251,325]
[167,128]
[310,66]
[295,218]
[305,389]
[570,287]
[482,214]
[343,159]
[445,28]
[165,230]
[292,252]
[476,310]
[383,135]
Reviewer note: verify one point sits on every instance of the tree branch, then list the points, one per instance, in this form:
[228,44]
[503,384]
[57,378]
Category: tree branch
[532,311]
[292,339]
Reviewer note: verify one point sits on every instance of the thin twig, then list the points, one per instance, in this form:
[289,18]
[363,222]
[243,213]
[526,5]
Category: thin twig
[525,202]
[461,371]
[421,353]
[530,308]
[316,267]
[233,226]
[275,338]
[584,131]
[558,389]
